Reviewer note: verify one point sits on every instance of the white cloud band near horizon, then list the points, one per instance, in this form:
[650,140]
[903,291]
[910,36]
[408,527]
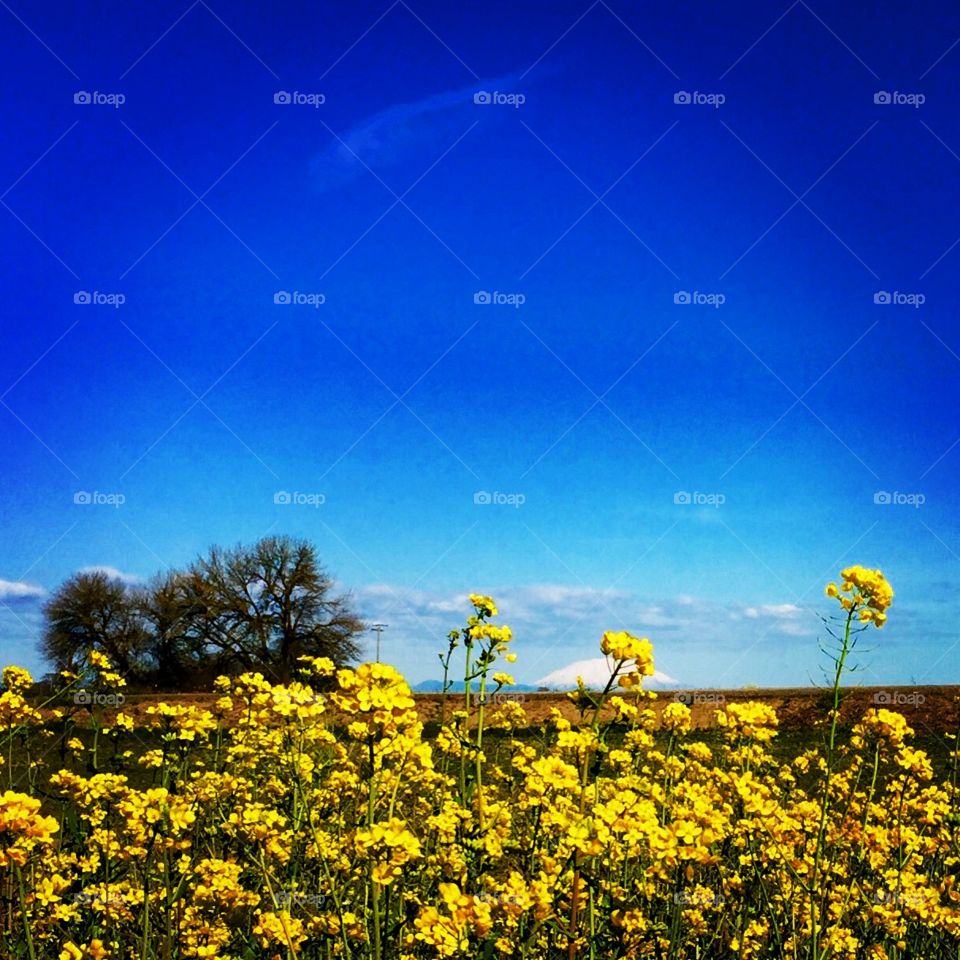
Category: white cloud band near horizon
[697,642]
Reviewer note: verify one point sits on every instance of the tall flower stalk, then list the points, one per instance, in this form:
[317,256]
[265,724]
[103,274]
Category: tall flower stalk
[864,596]
[484,642]
[622,648]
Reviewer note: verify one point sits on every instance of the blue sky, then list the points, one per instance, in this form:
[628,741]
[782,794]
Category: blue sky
[683,397]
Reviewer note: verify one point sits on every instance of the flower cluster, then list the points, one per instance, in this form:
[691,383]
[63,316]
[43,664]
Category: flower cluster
[623,647]
[23,830]
[484,605]
[863,593]
[14,706]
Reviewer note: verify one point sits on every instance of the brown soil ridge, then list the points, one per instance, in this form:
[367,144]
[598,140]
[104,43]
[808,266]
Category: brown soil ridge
[931,709]
[934,708]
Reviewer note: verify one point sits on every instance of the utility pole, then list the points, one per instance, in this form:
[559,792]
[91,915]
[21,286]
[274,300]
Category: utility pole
[378,628]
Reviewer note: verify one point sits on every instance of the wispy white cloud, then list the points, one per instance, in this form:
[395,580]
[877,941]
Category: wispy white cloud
[131,579]
[20,590]
[404,131]
[787,618]
[786,610]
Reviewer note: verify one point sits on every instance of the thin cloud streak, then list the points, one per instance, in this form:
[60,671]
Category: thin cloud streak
[403,132]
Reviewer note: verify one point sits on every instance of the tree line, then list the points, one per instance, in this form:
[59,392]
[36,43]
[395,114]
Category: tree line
[248,608]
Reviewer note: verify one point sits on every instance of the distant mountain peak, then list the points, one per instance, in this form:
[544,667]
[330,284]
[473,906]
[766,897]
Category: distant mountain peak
[596,672]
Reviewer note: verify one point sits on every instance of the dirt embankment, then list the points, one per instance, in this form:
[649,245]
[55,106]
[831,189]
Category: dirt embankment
[932,709]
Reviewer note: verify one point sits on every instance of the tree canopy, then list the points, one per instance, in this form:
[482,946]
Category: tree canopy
[256,607]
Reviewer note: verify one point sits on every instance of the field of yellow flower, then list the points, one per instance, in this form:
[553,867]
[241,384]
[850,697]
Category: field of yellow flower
[272,835]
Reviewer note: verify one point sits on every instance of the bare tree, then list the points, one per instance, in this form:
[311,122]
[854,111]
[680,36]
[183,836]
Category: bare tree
[175,654]
[264,606]
[93,611]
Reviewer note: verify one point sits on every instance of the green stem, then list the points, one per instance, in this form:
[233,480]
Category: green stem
[584,777]
[468,643]
[815,911]
[374,886]
[478,762]
[23,913]
[146,904]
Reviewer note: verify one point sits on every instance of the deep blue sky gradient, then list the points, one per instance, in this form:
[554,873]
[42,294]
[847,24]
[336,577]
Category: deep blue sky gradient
[399,398]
